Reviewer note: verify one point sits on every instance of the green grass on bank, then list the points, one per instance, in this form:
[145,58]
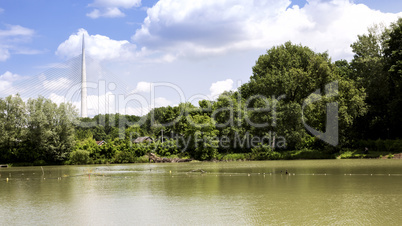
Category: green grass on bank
[355,154]
[306,154]
[82,157]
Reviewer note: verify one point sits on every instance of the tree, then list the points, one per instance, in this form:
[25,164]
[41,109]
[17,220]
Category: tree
[368,71]
[12,129]
[99,133]
[393,58]
[228,113]
[203,137]
[50,130]
[291,70]
[66,118]
[377,67]
[282,80]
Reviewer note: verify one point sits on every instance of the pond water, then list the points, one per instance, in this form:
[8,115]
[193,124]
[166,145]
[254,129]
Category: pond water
[315,192]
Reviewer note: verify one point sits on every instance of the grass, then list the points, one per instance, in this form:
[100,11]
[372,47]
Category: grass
[142,159]
[274,155]
[234,157]
[307,154]
[356,154]
[304,154]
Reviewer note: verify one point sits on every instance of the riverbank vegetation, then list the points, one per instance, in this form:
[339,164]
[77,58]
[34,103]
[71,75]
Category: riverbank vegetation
[291,86]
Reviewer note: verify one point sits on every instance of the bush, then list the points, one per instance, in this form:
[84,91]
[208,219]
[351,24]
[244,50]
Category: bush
[263,152]
[169,147]
[80,157]
[143,148]
[101,161]
[310,154]
[234,157]
[346,155]
[142,159]
[352,154]
[39,163]
[124,157]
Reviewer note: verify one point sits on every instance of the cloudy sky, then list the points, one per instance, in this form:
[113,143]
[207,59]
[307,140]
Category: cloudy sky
[189,49]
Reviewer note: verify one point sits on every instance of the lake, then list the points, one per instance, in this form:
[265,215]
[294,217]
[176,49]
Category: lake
[315,192]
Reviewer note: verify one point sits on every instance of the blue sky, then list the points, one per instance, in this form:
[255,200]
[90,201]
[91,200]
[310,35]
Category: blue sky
[201,46]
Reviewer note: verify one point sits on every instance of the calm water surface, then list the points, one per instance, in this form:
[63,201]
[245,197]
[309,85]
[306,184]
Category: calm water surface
[339,192]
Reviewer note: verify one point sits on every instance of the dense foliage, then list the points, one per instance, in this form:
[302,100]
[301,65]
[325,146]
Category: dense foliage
[35,130]
[291,87]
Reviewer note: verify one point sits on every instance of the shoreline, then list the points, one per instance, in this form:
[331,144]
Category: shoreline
[234,157]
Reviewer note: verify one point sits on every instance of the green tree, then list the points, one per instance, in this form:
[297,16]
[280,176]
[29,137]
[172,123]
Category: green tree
[99,133]
[12,129]
[203,137]
[66,118]
[368,71]
[393,58]
[50,129]
[282,80]
[228,113]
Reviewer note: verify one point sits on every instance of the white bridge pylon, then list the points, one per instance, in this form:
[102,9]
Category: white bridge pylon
[84,106]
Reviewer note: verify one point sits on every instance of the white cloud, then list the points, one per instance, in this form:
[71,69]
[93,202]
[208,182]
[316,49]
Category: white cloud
[143,87]
[135,111]
[1,10]
[12,37]
[208,27]
[57,99]
[162,102]
[6,83]
[97,46]
[177,31]
[16,30]
[108,12]
[114,102]
[10,77]
[109,103]
[111,8]
[219,87]
[57,84]
[97,104]
[143,110]
[94,14]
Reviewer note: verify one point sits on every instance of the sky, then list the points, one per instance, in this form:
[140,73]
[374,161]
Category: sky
[188,49]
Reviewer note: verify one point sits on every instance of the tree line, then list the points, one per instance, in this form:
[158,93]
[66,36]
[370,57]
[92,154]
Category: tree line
[35,130]
[291,86]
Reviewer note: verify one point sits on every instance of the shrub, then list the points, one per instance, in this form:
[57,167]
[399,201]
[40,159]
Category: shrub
[263,152]
[39,163]
[142,159]
[234,157]
[80,157]
[167,148]
[312,154]
[124,157]
[347,155]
